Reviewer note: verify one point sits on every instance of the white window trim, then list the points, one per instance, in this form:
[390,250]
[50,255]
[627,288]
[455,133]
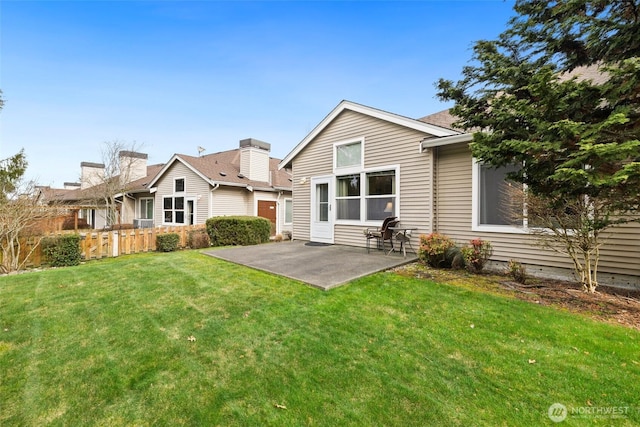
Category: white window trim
[174,185]
[162,209]
[358,197]
[173,209]
[363,197]
[139,207]
[349,169]
[475,208]
[284,212]
[195,209]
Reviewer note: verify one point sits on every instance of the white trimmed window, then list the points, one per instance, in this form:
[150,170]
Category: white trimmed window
[380,194]
[491,200]
[288,211]
[173,209]
[348,155]
[178,185]
[367,196]
[348,196]
[361,194]
[146,208]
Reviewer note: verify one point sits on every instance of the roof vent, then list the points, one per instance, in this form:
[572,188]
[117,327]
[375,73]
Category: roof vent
[223,173]
[240,176]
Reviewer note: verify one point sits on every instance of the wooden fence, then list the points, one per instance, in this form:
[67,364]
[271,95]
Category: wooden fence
[98,244]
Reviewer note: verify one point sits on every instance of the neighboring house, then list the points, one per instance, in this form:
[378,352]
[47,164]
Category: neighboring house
[86,197]
[360,159]
[244,181]
[188,190]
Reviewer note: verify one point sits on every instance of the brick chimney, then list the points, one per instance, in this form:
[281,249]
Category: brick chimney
[254,159]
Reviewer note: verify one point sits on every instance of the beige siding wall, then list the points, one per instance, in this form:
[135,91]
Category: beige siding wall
[195,188]
[128,212]
[386,144]
[254,163]
[229,201]
[621,252]
[279,199]
[453,193]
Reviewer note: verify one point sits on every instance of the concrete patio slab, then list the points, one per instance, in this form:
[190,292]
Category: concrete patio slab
[323,267]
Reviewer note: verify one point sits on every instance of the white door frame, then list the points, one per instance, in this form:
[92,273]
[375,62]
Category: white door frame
[321,227]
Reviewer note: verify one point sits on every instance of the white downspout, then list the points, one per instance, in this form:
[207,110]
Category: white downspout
[433,193]
[278,216]
[215,187]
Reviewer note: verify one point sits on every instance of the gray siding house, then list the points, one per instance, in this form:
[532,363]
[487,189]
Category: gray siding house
[362,164]
[358,166]
[245,181]
[188,190]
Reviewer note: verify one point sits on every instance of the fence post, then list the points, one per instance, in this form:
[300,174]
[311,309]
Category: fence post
[116,242]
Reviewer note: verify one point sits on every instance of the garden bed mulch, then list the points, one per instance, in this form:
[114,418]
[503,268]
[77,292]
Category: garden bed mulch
[608,304]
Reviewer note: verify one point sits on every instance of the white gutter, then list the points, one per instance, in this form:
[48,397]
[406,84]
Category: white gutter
[446,140]
[249,187]
[281,189]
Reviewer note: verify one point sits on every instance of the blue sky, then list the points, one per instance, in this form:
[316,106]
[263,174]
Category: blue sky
[172,76]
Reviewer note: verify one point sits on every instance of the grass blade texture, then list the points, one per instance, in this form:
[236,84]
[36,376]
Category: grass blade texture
[185,339]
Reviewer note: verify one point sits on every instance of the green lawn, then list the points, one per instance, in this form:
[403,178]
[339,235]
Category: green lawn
[107,343]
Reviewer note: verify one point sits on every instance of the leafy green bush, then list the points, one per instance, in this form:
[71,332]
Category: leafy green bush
[167,242]
[433,250]
[198,239]
[238,230]
[477,255]
[62,251]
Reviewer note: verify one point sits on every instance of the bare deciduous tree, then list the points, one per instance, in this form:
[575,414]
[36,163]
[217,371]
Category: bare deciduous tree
[20,212]
[108,188]
[21,216]
[573,226]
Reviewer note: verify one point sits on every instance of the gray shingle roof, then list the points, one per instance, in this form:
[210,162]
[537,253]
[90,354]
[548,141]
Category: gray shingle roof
[443,119]
[86,194]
